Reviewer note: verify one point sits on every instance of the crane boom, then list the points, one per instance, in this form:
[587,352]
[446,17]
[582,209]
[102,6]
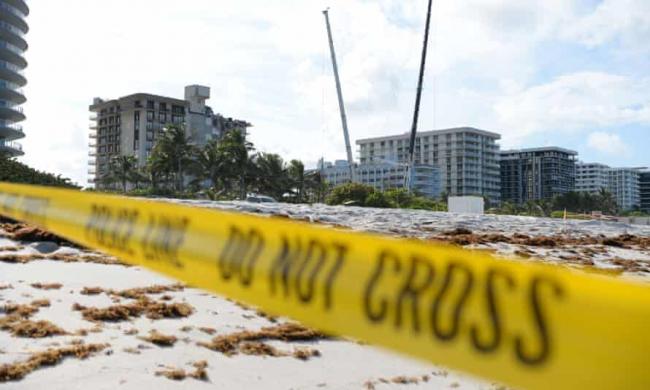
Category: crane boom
[344,119]
[418,96]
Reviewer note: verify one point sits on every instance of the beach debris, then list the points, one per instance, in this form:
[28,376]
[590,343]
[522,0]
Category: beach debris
[151,309]
[47,286]
[252,342]
[161,340]
[50,357]
[179,374]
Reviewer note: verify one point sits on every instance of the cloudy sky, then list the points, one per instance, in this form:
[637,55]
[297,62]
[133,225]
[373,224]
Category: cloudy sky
[571,73]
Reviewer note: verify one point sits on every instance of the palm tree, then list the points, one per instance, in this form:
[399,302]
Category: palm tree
[121,169]
[296,172]
[233,150]
[606,202]
[273,178]
[174,153]
[209,164]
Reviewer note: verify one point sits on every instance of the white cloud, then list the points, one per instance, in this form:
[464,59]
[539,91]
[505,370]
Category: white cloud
[268,63]
[607,143]
[625,20]
[575,102]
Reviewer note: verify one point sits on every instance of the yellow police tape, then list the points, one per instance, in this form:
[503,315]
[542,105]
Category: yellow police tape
[524,324]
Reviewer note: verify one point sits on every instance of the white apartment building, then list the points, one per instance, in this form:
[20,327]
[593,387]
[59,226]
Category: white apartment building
[384,176]
[623,183]
[625,186]
[466,157]
[591,177]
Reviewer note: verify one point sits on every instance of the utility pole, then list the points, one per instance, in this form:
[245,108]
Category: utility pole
[416,113]
[344,119]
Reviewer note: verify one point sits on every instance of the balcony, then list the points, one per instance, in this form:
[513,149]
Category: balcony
[14,95]
[11,132]
[11,148]
[13,34]
[12,113]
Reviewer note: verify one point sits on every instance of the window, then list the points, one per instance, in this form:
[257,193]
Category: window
[150,104]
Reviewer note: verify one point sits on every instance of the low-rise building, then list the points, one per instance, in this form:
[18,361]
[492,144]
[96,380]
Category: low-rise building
[384,176]
[536,173]
[129,126]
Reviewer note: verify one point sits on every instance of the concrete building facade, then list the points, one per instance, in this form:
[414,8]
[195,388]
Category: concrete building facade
[644,190]
[12,64]
[536,173]
[130,126]
[467,158]
[385,176]
[623,183]
[592,177]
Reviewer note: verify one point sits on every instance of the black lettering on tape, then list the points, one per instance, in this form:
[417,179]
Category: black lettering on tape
[240,254]
[452,269]
[372,312]
[282,265]
[305,286]
[341,251]
[540,322]
[163,238]
[303,263]
[493,275]
[420,276]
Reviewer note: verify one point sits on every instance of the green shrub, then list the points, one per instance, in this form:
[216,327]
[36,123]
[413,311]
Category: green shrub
[400,197]
[350,192]
[378,199]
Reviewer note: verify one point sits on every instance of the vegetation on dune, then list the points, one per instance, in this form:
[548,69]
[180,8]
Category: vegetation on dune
[573,202]
[366,196]
[13,171]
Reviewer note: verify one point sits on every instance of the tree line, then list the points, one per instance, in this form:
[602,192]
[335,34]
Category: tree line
[16,172]
[228,168]
[573,202]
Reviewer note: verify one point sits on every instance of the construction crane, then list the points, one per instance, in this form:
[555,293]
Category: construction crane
[344,119]
[418,96]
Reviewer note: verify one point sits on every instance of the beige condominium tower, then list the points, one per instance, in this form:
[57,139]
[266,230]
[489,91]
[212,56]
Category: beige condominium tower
[130,125]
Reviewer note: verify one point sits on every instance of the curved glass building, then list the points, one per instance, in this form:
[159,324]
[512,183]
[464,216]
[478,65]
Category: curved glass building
[12,63]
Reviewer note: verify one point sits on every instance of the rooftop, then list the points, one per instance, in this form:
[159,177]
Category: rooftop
[540,149]
[432,132]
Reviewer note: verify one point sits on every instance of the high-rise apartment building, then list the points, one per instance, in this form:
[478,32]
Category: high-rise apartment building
[130,125]
[592,177]
[644,188]
[536,173]
[623,183]
[12,63]
[466,157]
[384,176]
